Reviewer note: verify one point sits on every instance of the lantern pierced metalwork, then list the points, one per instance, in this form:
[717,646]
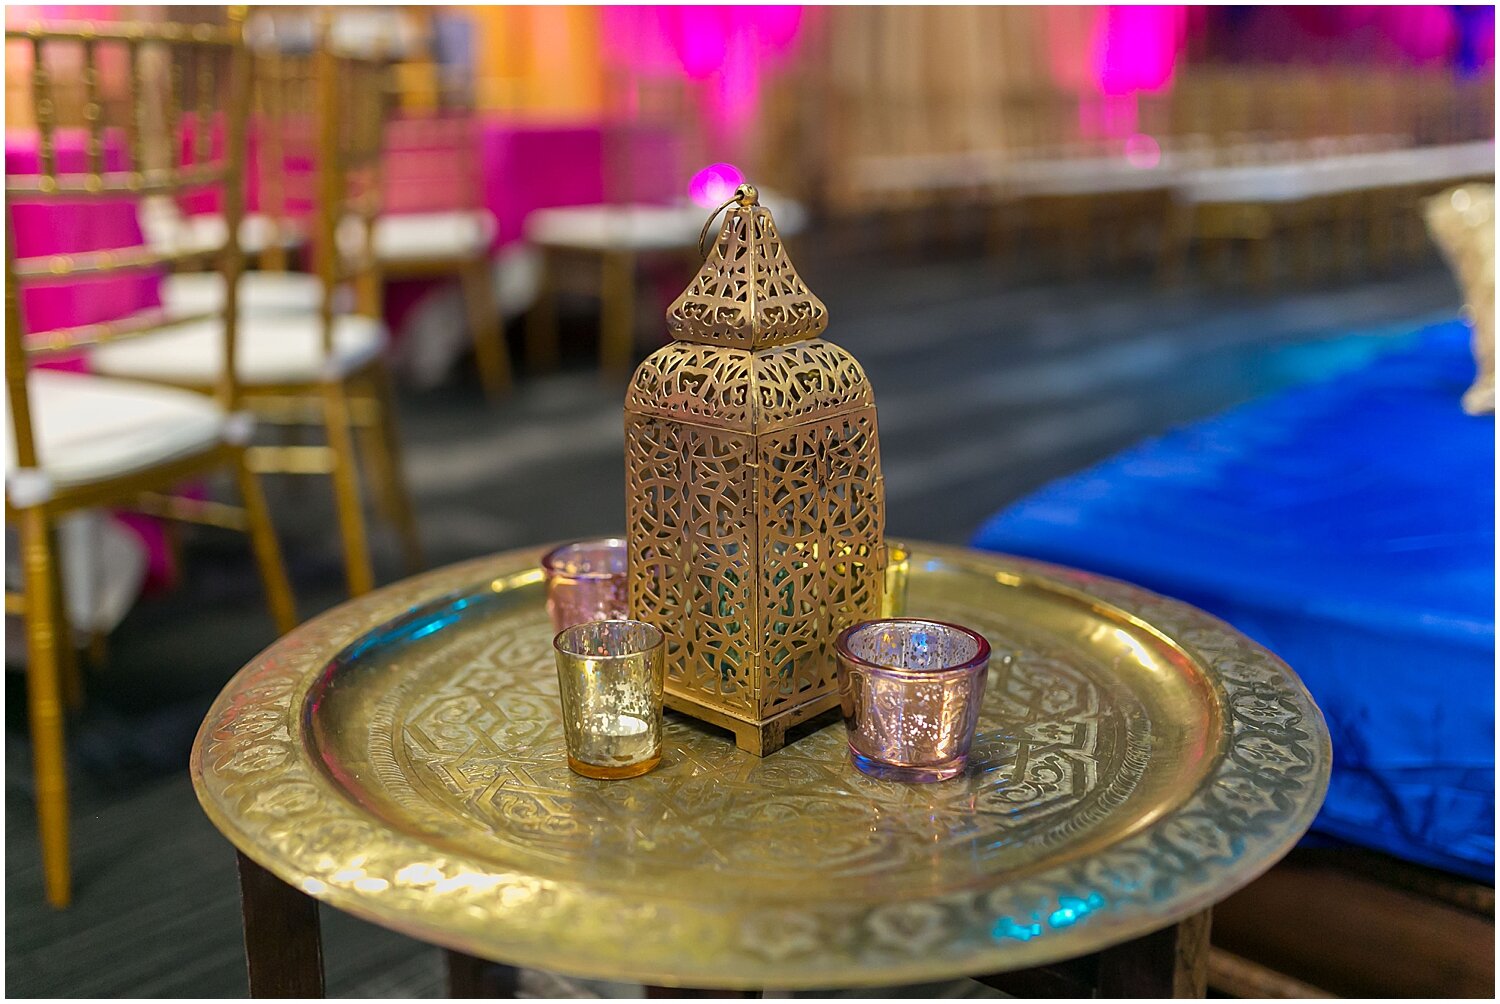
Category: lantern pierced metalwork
[755,501]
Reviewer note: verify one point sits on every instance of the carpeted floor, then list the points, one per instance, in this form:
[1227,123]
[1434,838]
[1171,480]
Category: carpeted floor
[986,390]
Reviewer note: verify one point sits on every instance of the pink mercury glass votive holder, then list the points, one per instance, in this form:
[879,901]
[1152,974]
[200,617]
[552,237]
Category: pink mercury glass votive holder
[910,690]
[586,581]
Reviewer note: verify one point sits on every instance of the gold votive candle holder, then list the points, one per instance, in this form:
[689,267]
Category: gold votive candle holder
[910,691]
[610,675]
[897,571]
[587,580]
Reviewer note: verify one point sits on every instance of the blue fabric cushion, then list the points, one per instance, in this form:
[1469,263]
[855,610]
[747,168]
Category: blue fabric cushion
[1349,527]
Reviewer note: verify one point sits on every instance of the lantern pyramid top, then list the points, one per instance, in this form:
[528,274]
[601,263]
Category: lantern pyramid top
[747,295]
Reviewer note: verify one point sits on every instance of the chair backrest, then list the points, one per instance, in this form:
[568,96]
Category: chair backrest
[432,142]
[286,143]
[433,162]
[283,148]
[320,112]
[354,105]
[178,126]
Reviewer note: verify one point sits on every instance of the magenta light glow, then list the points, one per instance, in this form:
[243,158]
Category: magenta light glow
[725,49]
[1109,56]
[1424,34]
[1137,48]
[715,184]
[700,37]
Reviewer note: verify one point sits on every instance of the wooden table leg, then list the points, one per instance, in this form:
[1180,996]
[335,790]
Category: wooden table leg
[1070,978]
[543,339]
[681,992]
[617,314]
[469,977]
[1172,962]
[283,944]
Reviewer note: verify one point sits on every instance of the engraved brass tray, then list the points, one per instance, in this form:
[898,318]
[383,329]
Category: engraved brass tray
[401,758]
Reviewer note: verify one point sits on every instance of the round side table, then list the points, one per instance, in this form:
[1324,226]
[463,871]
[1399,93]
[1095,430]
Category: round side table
[401,758]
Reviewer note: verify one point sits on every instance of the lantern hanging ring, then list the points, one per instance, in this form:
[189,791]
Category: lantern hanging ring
[745,195]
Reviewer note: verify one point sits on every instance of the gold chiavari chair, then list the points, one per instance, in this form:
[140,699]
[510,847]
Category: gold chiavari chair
[439,225]
[432,159]
[281,173]
[324,367]
[77,440]
[270,234]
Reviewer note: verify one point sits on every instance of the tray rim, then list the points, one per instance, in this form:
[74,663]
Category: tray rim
[276,682]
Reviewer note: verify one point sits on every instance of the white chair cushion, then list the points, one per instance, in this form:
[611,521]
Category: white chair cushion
[89,428]
[269,349]
[260,293]
[168,230]
[460,233]
[257,232]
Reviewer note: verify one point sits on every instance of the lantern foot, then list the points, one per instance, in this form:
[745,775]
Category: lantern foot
[760,738]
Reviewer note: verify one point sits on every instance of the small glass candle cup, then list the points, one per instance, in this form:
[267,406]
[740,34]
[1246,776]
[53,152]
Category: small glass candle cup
[610,676]
[587,581]
[910,691]
[897,570]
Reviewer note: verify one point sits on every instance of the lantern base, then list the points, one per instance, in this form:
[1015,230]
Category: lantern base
[760,738]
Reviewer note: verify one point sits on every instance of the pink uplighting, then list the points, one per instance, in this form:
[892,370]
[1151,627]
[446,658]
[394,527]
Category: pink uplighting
[700,36]
[727,49]
[1424,34]
[1136,48]
[1131,51]
[715,184]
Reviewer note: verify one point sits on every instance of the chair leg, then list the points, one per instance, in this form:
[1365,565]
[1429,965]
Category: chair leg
[1217,252]
[1261,265]
[1176,245]
[543,340]
[1381,237]
[98,649]
[617,324]
[351,517]
[488,329]
[383,453]
[46,636]
[69,670]
[267,550]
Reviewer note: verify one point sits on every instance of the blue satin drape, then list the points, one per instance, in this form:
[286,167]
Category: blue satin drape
[1347,525]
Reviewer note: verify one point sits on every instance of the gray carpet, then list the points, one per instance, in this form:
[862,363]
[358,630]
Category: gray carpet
[986,389]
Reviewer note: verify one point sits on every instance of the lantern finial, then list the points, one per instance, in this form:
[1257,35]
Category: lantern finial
[747,294]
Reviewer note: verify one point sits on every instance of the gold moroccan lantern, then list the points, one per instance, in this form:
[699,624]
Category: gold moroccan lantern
[755,503]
